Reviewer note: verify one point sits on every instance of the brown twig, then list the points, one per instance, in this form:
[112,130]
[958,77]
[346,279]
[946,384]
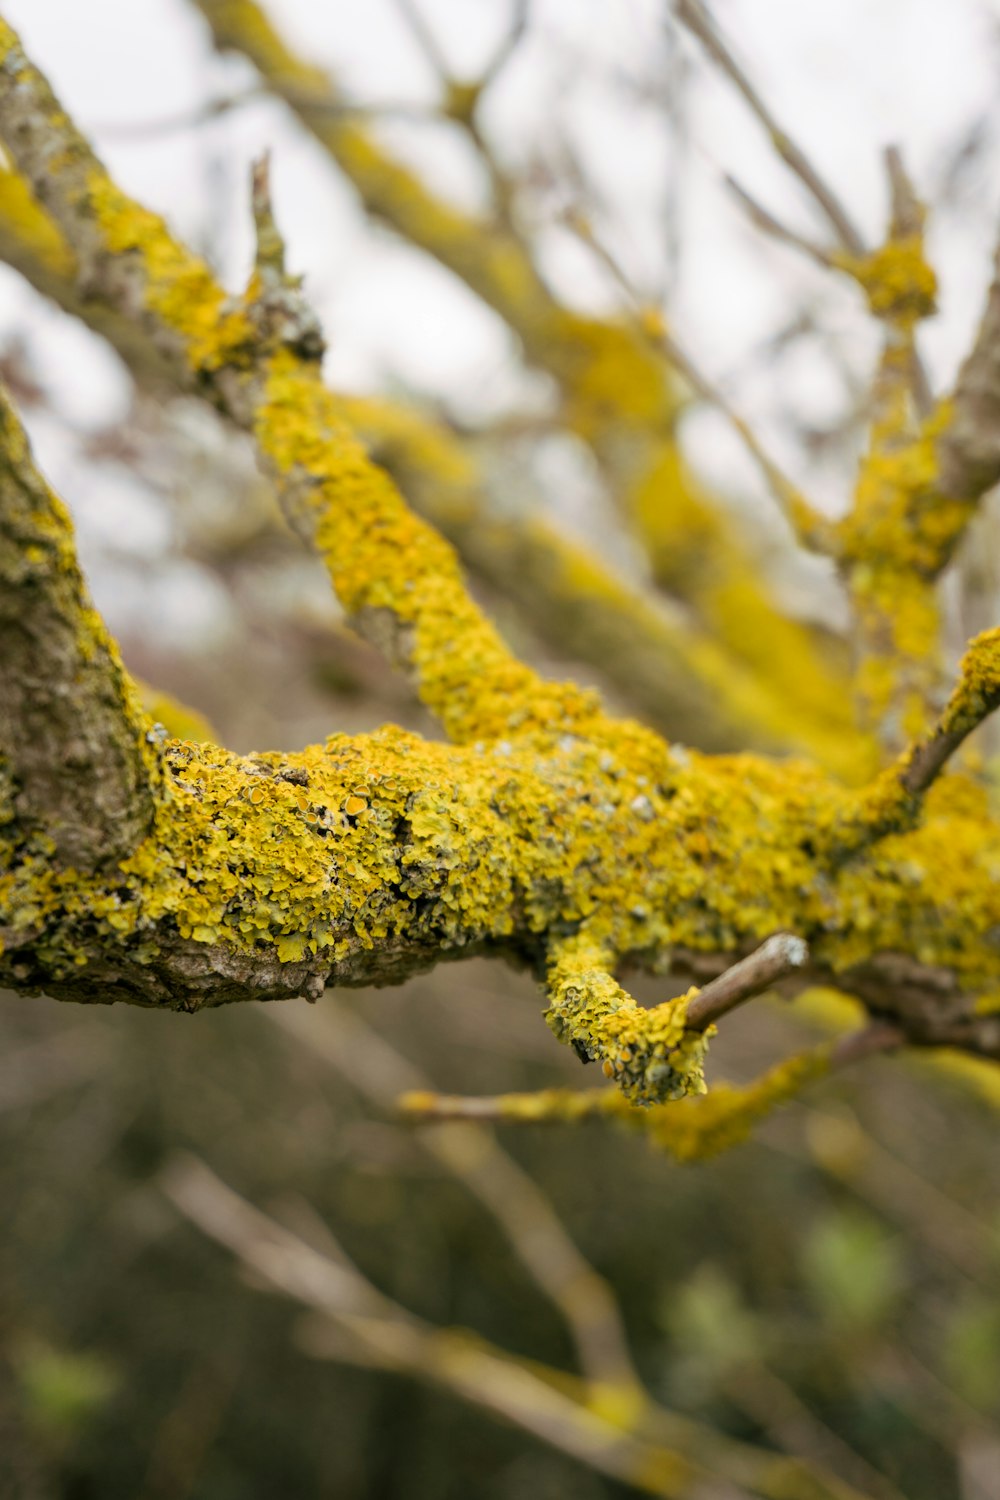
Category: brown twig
[536,1234]
[779,956]
[764,220]
[808,525]
[694,15]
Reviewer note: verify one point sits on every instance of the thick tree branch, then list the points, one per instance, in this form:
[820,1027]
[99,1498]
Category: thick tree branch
[554,834]
[80,767]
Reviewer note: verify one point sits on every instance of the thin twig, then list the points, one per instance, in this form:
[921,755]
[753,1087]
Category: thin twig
[534,1230]
[694,15]
[127,131]
[765,221]
[779,956]
[808,525]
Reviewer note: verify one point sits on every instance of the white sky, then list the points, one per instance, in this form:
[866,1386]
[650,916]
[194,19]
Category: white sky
[844,78]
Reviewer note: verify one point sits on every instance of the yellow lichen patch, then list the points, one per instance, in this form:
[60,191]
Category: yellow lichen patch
[22,217]
[179,289]
[648,1053]
[978,691]
[897,280]
[386,564]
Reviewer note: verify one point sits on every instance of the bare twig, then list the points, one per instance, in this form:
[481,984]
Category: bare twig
[371,1329]
[779,956]
[525,1215]
[764,220]
[808,525]
[694,15]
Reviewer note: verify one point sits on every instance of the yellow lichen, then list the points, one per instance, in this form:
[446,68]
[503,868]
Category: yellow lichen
[897,280]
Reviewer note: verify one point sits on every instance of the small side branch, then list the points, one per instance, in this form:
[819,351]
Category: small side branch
[893,802]
[976,696]
[689,1129]
[72,733]
[694,15]
[775,959]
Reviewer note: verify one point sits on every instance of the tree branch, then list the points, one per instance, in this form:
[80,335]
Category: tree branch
[694,15]
[397,579]
[969,447]
[773,960]
[80,764]
[669,667]
[584,1300]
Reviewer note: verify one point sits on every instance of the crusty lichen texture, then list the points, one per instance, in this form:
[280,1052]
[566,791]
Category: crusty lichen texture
[547,831]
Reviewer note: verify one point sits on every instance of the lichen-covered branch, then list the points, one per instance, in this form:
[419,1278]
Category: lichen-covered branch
[550,833]
[898,534]
[661,663]
[688,1129]
[398,581]
[78,764]
[618,393]
[893,801]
